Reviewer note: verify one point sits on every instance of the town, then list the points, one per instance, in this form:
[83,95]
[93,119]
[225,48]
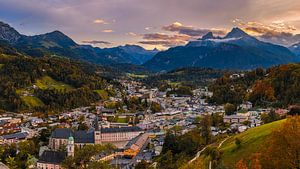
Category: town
[136,136]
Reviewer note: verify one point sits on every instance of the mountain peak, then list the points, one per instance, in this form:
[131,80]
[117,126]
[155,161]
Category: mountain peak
[209,35]
[8,33]
[236,33]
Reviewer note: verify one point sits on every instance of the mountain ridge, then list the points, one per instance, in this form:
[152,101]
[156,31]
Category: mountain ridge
[57,43]
[236,50]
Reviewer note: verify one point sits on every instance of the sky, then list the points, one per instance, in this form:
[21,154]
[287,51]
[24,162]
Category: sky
[154,23]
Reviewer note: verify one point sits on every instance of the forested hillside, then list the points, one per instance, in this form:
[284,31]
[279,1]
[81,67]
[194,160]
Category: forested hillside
[47,83]
[193,77]
[277,86]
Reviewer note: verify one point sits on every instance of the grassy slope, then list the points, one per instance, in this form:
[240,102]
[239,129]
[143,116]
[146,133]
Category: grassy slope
[31,101]
[103,94]
[48,83]
[43,83]
[251,141]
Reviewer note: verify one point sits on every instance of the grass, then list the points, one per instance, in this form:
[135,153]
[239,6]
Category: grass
[251,141]
[31,101]
[47,82]
[121,120]
[103,94]
[1,65]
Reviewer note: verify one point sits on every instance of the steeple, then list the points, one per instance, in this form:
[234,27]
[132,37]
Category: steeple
[70,146]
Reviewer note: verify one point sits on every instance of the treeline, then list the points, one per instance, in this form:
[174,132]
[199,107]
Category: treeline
[19,72]
[277,86]
[193,77]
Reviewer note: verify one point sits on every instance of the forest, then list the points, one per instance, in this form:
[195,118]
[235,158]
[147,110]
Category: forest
[277,86]
[48,83]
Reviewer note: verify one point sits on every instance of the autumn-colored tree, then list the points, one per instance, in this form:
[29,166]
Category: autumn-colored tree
[241,165]
[255,162]
[262,92]
[284,146]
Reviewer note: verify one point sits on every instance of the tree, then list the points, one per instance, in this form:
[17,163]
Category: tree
[205,129]
[155,107]
[142,165]
[229,108]
[11,162]
[83,156]
[294,110]
[283,148]
[238,142]
[241,165]
[270,117]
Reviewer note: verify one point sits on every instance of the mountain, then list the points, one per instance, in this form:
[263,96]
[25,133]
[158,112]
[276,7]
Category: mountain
[295,49]
[8,33]
[237,50]
[132,54]
[57,43]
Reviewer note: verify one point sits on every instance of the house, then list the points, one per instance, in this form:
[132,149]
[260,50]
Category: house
[13,138]
[234,119]
[3,166]
[246,105]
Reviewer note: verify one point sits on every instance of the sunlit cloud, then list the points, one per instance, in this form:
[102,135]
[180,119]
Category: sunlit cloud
[192,31]
[164,39]
[276,32]
[96,42]
[132,34]
[100,21]
[107,31]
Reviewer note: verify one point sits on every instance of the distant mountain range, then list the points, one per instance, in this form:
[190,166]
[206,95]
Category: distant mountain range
[57,43]
[237,50]
[295,49]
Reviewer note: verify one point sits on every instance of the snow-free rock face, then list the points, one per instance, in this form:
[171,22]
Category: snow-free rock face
[237,50]
[8,33]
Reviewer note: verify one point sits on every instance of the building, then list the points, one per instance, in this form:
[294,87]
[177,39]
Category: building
[59,137]
[13,138]
[51,159]
[246,105]
[234,119]
[135,145]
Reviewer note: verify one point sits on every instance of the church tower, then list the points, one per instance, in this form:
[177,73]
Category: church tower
[97,132]
[70,146]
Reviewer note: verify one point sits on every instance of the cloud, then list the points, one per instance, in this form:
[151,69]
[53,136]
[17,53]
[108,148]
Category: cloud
[100,21]
[96,42]
[107,31]
[164,39]
[191,31]
[276,32]
[132,34]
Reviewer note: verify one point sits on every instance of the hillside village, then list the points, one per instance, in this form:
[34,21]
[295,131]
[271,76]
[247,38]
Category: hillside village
[136,136]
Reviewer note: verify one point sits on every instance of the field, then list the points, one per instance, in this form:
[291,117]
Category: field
[31,101]
[251,141]
[48,83]
[103,94]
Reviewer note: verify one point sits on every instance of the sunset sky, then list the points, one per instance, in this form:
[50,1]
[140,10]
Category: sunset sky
[153,23]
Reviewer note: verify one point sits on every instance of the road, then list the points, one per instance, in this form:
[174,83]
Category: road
[199,152]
